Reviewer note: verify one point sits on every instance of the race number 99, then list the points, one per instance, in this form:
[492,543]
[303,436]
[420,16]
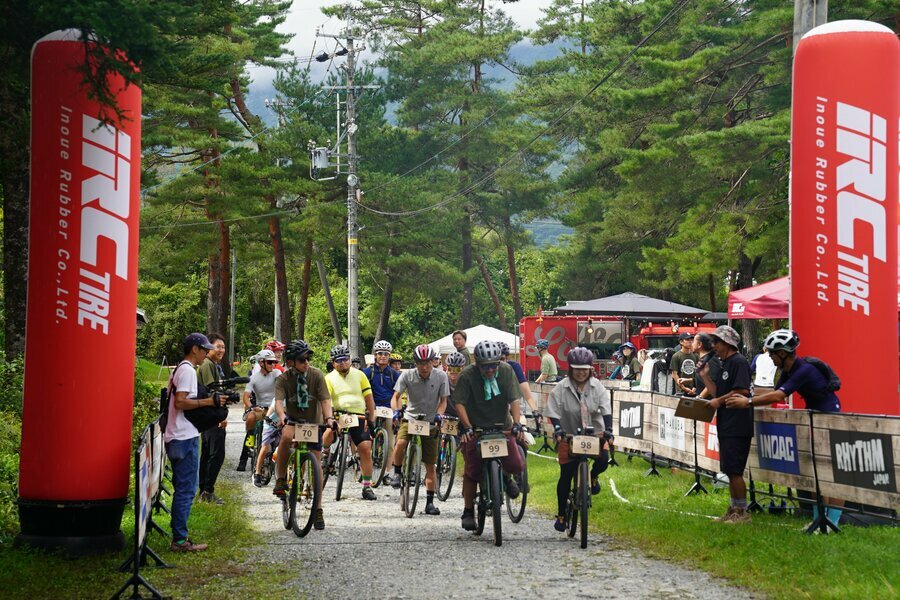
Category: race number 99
[493,448]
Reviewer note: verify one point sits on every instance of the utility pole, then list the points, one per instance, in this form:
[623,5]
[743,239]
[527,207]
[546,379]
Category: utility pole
[807,15]
[320,159]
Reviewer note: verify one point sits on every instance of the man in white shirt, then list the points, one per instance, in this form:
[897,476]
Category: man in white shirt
[183,439]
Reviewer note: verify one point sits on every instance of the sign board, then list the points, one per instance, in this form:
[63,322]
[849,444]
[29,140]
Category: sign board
[862,459]
[671,428]
[776,447]
[631,420]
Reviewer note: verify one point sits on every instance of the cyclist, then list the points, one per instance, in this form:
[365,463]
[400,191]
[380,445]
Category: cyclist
[487,393]
[454,364]
[427,391]
[278,348]
[381,376]
[300,395]
[261,385]
[396,362]
[549,370]
[523,383]
[631,367]
[351,392]
[577,402]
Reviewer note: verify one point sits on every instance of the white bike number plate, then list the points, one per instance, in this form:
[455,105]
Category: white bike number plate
[306,433]
[493,448]
[384,412]
[416,427]
[348,421]
[586,444]
[450,427]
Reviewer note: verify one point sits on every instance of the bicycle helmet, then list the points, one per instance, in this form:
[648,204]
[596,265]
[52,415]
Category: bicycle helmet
[782,339]
[395,357]
[580,358]
[504,348]
[340,351]
[382,346]
[424,353]
[542,344]
[265,355]
[487,351]
[275,346]
[456,359]
[297,349]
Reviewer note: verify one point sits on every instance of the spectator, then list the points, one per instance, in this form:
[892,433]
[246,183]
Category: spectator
[212,441]
[631,368]
[735,425]
[549,370]
[459,342]
[683,364]
[703,347]
[763,370]
[182,439]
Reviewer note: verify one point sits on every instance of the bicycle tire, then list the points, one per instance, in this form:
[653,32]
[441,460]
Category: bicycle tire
[286,504]
[584,500]
[307,496]
[446,467]
[379,456]
[515,507]
[414,476]
[341,466]
[496,501]
[254,450]
[572,508]
[328,466]
[481,511]
[268,469]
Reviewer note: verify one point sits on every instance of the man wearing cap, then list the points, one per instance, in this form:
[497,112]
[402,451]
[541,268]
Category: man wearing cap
[682,366]
[182,438]
[549,370]
[735,425]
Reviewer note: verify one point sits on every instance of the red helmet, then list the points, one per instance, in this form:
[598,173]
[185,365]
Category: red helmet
[424,353]
[275,346]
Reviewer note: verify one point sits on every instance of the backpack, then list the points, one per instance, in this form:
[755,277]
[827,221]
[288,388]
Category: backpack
[203,418]
[834,382]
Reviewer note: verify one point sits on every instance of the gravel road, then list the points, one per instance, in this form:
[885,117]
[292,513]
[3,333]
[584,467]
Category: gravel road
[371,549]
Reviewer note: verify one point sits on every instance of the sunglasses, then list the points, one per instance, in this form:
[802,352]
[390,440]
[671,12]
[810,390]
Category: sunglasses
[488,366]
[342,359]
[382,354]
[301,360]
[454,369]
[271,362]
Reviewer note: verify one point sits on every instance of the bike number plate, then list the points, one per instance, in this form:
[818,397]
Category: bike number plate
[450,427]
[384,412]
[586,444]
[348,421]
[306,433]
[416,427]
[493,448]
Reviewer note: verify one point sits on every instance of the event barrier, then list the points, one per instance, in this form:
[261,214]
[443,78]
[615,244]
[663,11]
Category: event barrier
[846,456]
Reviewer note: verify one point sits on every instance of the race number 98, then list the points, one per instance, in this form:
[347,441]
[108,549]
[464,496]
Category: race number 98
[586,444]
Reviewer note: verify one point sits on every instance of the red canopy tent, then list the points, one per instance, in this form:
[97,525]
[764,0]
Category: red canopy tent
[770,300]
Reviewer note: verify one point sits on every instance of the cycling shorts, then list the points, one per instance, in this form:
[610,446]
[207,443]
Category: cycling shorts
[429,444]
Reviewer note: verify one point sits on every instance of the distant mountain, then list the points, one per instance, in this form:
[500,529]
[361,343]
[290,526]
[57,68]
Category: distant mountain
[547,232]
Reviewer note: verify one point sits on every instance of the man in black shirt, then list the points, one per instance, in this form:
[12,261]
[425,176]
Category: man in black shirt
[735,425]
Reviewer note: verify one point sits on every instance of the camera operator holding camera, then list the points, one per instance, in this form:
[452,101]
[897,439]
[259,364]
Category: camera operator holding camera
[212,441]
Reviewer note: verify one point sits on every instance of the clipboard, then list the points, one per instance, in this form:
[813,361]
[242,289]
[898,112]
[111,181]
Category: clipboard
[696,409]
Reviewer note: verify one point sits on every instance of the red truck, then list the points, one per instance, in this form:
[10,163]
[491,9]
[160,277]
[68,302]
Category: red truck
[602,334]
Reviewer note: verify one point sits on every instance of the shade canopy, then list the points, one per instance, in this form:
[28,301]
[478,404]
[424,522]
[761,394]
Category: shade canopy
[629,304]
[770,300]
[473,336]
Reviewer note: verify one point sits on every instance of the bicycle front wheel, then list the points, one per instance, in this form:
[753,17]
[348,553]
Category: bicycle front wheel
[572,508]
[515,507]
[341,465]
[584,499]
[446,467]
[496,500]
[413,476]
[379,456]
[287,502]
[307,496]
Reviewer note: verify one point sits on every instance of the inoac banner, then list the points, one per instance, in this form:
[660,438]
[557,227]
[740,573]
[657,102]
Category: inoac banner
[846,104]
[82,288]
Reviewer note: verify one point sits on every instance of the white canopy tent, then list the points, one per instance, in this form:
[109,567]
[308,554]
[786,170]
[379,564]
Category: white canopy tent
[475,335]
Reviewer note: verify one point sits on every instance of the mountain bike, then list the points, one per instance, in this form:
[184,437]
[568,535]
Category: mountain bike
[515,507]
[340,453]
[381,444]
[298,506]
[256,447]
[446,462]
[492,446]
[582,447]
[411,470]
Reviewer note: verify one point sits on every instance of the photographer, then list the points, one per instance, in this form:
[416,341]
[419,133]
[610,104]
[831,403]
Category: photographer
[212,441]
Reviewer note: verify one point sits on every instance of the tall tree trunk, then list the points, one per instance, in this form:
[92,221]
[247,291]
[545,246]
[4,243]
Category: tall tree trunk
[329,301]
[213,283]
[514,281]
[304,290]
[501,315]
[386,299]
[465,318]
[712,293]
[281,291]
[15,251]
[746,268]
[225,280]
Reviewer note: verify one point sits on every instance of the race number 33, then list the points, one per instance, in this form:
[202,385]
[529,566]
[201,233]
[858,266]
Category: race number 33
[493,448]
[585,444]
[450,427]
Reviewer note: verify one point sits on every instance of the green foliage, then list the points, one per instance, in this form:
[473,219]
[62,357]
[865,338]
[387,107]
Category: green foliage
[12,377]
[173,311]
[10,438]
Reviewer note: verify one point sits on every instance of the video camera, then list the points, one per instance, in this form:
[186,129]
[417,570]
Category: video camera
[223,387]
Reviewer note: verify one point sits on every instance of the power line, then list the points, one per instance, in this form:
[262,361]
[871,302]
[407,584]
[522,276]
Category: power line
[518,153]
[217,221]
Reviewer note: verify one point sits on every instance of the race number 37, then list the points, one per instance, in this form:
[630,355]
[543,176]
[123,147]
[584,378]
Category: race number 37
[416,427]
[493,448]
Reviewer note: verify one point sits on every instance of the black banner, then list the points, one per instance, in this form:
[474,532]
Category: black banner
[631,420]
[863,460]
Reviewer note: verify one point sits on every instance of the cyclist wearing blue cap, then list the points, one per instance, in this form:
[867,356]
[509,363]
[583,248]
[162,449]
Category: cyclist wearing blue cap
[549,370]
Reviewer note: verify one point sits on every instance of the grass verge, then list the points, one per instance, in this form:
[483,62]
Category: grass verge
[769,555]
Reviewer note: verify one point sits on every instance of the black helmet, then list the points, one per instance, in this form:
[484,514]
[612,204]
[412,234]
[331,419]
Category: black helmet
[487,351]
[580,357]
[297,349]
[340,351]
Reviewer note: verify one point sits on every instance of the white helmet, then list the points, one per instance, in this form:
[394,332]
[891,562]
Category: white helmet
[265,355]
[782,339]
[382,346]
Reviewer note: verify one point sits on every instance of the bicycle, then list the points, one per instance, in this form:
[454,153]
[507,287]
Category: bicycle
[303,479]
[257,444]
[492,446]
[515,507]
[446,463]
[582,446]
[411,471]
[339,453]
[381,444]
